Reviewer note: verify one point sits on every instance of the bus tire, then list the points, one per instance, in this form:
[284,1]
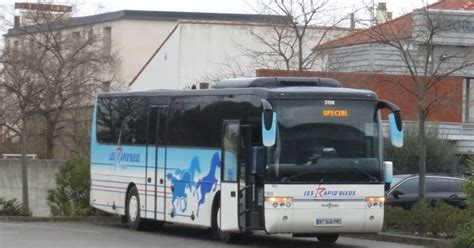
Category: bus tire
[327,237]
[217,233]
[132,210]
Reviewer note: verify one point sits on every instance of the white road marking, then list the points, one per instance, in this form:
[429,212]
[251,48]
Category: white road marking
[49,227]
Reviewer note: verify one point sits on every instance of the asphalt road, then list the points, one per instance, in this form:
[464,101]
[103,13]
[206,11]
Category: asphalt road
[44,234]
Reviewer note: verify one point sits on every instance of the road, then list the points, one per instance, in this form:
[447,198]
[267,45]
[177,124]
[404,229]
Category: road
[46,235]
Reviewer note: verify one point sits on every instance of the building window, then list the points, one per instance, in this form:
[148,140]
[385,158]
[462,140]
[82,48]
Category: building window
[76,36]
[106,86]
[107,40]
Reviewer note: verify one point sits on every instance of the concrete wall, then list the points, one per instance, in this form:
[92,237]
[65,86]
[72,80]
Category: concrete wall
[41,178]
[198,51]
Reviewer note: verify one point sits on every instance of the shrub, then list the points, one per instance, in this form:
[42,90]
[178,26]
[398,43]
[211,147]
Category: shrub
[71,196]
[466,239]
[438,218]
[12,208]
[440,153]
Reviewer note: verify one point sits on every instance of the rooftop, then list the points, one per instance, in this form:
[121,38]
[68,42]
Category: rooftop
[400,27]
[146,15]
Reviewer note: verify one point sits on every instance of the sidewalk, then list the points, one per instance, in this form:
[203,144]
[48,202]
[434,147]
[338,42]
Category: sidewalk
[401,238]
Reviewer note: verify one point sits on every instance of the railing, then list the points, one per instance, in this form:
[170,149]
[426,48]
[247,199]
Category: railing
[18,156]
[462,134]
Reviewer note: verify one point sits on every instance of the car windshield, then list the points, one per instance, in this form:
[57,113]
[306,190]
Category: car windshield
[396,179]
[325,141]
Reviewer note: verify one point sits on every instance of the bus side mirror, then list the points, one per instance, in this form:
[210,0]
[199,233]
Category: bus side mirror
[387,174]
[258,161]
[395,121]
[269,127]
[396,131]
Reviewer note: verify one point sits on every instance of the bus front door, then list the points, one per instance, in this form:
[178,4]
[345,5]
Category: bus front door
[229,208]
[155,169]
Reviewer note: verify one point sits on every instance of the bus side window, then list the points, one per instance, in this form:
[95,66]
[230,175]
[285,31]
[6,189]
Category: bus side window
[231,141]
[107,125]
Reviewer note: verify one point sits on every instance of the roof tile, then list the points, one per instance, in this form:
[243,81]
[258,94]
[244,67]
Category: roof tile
[400,27]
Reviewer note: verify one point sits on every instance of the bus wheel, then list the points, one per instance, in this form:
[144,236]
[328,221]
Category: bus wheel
[132,210]
[327,237]
[217,233]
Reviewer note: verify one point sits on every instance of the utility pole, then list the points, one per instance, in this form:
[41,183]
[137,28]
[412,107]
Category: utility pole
[372,14]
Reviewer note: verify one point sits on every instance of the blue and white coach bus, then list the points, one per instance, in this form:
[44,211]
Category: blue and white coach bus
[279,155]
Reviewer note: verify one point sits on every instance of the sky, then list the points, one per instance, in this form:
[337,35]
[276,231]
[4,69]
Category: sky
[89,7]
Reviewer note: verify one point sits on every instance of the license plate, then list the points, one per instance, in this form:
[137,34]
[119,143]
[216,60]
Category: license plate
[328,222]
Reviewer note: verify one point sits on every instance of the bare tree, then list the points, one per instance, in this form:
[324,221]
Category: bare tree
[71,65]
[20,102]
[48,73]
[287,41]
[424,55]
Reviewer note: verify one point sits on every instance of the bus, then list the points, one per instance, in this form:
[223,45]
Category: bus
[277,155]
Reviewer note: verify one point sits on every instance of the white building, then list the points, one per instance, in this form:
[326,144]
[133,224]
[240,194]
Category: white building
[204,51]
[133,36]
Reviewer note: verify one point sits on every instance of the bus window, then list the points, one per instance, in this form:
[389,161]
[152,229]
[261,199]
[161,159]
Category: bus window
[121,120]
[231,141]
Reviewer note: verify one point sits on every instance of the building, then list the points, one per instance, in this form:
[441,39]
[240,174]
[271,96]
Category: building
[440,36]
[133,36]
[205,51]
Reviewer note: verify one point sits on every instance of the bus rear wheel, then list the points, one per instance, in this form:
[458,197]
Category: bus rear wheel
[132,211]
[327,237]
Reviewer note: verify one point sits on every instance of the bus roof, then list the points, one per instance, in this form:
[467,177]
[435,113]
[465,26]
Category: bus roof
[268,93]
[269,88]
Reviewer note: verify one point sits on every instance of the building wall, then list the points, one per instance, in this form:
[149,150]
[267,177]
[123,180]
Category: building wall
[207,52]
[454,39]
[132,41]
[449,90]
[41,178]
[135,41]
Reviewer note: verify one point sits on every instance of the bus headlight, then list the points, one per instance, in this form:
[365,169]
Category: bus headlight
[280,202]
[375,201]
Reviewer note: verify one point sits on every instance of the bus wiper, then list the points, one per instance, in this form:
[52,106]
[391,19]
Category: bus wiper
[372,178]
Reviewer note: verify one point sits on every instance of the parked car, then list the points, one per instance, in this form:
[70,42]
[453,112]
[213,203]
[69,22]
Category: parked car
[404,190]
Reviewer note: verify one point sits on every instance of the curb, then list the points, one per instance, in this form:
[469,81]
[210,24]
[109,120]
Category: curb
[407,239]
[88,219]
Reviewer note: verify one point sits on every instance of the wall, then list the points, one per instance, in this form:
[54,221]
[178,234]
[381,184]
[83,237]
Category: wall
[453,43]
[41,178]
[449,91]
[134,41]
[200,51]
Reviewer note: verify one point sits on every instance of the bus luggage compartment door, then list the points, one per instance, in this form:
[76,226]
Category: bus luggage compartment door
[229,208]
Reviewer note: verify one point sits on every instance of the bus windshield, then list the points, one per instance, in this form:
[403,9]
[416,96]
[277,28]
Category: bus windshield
[325,141]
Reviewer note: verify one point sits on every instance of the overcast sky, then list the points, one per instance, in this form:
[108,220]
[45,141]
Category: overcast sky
[88,7]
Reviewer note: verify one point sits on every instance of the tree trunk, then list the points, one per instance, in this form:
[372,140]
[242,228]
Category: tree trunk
[421,154]
[24,169]
[300,53]
[49,140]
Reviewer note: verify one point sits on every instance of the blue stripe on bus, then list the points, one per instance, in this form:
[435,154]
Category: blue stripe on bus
[113,191]
[111,181]
[107,205]
[94,163]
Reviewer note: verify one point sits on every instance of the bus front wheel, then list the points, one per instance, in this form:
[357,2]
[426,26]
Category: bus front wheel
[327,237]
[226,237]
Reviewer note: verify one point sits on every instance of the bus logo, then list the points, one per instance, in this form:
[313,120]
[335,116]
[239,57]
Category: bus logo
[322,192]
